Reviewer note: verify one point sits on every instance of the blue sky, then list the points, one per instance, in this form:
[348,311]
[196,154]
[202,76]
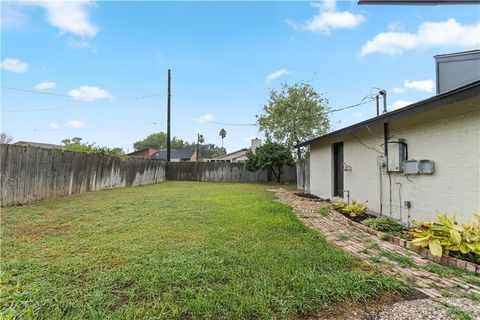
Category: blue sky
[98,57]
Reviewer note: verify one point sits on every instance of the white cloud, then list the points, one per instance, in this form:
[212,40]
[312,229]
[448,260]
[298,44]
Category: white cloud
[277,74]
[81,44]
[206,118]
[90,93]
[75,124]
[54,126]
[400,104]
[45,85]
[423,85]
[14,65]
[69,16]
[447,33]
[398,90]
[395,26]
[329,18]
[12,17]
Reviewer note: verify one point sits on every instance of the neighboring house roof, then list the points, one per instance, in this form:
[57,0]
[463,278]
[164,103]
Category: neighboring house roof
[148,151]
[38,144]
[470,90]
[174,154]
[229,155]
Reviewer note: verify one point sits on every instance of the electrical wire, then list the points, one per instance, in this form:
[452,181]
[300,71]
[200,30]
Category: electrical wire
[365,100]
[88,128]
[71,97]
[230,124]
[363,144]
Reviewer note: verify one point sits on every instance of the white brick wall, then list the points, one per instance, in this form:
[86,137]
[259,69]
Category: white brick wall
[453,143]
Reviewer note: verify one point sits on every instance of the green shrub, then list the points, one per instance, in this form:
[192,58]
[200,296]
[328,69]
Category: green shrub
[339,204]
[382,224]
[446,236]
[353,209]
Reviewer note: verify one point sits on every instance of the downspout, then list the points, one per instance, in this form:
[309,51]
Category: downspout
[377,100]
[385,146]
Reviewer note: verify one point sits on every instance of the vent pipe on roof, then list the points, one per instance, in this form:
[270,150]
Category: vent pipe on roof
[384,94]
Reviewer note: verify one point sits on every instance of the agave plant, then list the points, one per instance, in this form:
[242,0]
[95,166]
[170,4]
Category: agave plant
[445,235]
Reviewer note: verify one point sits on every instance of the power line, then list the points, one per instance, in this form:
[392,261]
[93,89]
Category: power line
[37,92]
[49,108]
[231,124]
[368,98]
[46,108]
[88,128]
[71,97]
[364,101]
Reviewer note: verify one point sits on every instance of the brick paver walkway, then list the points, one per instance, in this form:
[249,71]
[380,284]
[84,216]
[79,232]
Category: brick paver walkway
[391,259]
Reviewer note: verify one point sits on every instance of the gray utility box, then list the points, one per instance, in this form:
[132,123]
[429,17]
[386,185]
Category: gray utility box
[426,166]
[418,167]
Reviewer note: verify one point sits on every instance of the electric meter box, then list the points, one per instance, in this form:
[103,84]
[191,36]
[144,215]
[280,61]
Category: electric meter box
[396,155]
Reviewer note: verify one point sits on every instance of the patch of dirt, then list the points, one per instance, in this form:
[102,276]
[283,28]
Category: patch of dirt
[310,196]
[358,218]
[369,310]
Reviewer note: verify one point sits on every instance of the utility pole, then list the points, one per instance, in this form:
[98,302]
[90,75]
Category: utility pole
[200,139]
[169,96]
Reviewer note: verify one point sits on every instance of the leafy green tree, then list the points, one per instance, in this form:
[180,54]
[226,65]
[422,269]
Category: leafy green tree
[210,151]
[271,155]
[294,114]
[222,134]
[159,140]
[76,145]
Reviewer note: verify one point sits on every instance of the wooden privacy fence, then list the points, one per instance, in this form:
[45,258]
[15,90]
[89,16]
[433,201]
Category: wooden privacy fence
[223,172]
[303,175]
[29,173]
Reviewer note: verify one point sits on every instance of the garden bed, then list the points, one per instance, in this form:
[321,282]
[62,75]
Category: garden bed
[311,196]
[400,240]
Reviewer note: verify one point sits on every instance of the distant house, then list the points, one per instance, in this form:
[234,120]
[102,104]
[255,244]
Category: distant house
[239,155]
[176,155]
[413,161]
[38,145]
[147,152]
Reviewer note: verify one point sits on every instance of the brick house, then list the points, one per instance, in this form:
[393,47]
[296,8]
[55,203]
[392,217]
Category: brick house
[410,162]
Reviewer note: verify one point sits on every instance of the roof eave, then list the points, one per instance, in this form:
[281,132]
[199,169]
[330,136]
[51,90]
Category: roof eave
[460,93]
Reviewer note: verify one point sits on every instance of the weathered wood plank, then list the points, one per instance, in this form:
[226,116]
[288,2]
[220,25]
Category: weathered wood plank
[29,173]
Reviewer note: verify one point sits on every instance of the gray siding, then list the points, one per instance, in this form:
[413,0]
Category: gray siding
[456,70]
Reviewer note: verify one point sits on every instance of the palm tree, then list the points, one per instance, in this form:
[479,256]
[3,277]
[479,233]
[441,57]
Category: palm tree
[223,134]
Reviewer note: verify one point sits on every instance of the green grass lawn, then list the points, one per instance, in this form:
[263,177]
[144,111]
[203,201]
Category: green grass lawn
[173,250]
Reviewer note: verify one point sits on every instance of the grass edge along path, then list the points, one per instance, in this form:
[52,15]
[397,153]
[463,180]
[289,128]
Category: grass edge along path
[174,250]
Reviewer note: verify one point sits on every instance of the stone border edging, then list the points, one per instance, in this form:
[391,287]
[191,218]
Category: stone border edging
[444,260]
